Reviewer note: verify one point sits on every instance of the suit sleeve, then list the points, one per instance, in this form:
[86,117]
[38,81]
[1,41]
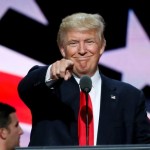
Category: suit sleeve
[142,125]
[32,87]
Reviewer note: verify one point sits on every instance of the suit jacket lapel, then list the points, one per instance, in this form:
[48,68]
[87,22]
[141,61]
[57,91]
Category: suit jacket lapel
[71,96]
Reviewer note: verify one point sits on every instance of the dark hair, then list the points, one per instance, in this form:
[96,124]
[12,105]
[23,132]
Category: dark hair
[5,111]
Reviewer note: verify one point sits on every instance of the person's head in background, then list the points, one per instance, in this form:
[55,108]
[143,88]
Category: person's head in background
[82,34]
[10,130]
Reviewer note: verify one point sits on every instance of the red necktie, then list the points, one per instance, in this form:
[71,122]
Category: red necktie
[82,133]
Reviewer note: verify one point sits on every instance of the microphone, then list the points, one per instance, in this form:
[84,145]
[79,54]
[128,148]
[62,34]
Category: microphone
[86,85]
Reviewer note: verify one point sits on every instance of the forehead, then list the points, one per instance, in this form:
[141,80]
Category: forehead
[13,117]
[78,33]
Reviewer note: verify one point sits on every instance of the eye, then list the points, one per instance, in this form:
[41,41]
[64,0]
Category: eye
[90,42]
[17,124]
[73,43]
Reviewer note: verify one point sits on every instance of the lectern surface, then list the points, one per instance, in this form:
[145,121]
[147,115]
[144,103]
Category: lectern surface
[100,147]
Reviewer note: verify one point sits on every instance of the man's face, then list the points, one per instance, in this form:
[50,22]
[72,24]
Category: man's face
[84,49]
[14,132]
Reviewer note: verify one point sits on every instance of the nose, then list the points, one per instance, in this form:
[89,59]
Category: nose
[20,130]
[82,48]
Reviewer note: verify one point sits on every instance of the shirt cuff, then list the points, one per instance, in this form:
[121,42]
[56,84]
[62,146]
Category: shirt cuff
[48,81]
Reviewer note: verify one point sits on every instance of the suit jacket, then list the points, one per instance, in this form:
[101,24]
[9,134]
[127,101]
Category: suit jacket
[54,109]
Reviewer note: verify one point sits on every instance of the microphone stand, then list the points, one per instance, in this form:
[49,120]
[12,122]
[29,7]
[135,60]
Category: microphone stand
[87,120]
[86,85]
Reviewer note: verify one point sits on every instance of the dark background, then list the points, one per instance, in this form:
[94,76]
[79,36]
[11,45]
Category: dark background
[38,41]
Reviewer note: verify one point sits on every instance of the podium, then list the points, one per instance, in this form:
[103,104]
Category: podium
[99,147]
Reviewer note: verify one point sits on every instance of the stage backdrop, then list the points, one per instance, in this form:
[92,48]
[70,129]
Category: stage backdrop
[28,30]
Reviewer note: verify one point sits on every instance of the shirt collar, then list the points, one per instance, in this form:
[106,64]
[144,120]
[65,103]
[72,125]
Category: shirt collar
[94,78]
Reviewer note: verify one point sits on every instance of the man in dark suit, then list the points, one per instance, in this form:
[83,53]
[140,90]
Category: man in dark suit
[10,130]
[53,93]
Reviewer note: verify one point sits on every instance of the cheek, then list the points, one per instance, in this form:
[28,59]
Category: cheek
[14,132]
[93,48]
[71,52]
[95,52]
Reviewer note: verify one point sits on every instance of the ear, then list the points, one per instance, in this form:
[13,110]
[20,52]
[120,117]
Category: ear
[62,50]
[103,47]
[3,133]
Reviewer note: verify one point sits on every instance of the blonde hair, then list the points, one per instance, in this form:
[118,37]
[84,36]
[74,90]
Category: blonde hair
[81,21]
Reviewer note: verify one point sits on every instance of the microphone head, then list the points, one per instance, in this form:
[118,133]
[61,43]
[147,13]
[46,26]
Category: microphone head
[85,84]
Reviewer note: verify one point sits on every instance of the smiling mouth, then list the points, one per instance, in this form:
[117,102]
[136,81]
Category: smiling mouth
[82,58]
